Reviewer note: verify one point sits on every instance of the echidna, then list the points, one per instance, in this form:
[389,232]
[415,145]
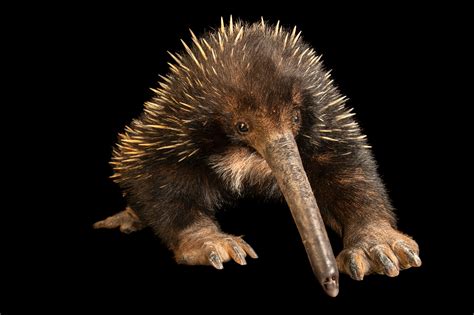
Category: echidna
[249,108]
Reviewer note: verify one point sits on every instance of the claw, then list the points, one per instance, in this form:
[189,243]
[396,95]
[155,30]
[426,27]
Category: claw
[416,261]
[239,257]
[211,248]
[354,263]
[388,265]
[237,254]
[375,252]
[247,248]
[215,260]
[355,269]
[412,257]
[407,256]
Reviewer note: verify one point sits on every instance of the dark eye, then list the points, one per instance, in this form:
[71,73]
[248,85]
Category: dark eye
[296,117]
[242,127]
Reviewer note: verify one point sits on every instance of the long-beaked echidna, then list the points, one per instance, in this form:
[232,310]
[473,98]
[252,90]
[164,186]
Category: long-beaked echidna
[250,108]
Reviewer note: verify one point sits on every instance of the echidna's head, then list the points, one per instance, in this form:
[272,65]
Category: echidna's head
[255,88]
[261,104]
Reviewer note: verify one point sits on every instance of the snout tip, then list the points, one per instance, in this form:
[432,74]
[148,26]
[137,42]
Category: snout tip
[331,286]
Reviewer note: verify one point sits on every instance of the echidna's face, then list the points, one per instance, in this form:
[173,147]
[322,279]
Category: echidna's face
[254,125]
[259,103]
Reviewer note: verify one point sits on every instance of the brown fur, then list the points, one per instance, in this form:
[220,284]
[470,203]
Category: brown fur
[240,167]
[183,158]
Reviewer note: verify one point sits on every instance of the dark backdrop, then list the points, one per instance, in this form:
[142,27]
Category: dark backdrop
[99,65]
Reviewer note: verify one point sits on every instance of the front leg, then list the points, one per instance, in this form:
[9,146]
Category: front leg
[202,243]
[354,203]
[180,210]
[376,247]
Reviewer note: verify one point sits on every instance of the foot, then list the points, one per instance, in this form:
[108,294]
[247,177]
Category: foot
[127,221]
[206,245]
[377,249]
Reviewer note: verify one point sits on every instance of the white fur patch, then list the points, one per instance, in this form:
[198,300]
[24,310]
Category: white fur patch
[239,166]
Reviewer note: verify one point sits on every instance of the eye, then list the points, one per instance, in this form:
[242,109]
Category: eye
[242,127]
[296,117]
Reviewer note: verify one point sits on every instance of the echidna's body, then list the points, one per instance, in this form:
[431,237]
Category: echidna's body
[209,134]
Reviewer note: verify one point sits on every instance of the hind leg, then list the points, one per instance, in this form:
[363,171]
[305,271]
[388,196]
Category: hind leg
[127,221]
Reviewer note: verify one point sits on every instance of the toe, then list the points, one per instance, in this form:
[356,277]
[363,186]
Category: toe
[385,261]
[111,222]
[215,249]
[237,253]
[407,255]
[247,248]
[377,249]
[354,263]
[214,258]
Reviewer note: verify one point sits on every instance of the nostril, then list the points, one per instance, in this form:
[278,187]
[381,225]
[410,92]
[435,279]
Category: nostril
[330,279]
[331,286]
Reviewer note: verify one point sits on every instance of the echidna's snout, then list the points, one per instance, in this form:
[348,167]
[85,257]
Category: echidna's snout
[282,155]
[278,147]
[272,134]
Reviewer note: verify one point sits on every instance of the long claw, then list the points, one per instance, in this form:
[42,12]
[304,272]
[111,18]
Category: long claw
[389,267]
[237,254]
[411,256]
[415,259]
[371,251]
[354,263]
[213,249]
[215,260]
[247,248]
[356,269]
[407,256]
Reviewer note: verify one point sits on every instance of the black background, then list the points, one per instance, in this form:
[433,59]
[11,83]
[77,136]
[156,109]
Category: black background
[92,68]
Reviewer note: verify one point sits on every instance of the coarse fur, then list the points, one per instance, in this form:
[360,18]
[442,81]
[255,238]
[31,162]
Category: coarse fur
[182,159]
